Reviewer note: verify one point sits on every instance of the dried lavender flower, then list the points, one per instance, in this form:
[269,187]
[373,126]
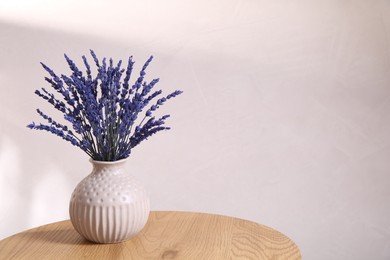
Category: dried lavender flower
[103,110]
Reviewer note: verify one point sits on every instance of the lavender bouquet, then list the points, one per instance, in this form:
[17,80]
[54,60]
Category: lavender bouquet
[103,110]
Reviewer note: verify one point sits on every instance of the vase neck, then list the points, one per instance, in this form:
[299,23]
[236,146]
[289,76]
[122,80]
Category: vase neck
[109,168]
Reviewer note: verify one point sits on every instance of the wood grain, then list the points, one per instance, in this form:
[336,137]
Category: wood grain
[167,235]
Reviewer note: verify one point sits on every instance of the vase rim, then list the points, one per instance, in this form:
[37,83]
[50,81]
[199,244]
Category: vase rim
[108,162]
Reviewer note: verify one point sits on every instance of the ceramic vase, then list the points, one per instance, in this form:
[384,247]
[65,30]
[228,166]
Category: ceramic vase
[109,205]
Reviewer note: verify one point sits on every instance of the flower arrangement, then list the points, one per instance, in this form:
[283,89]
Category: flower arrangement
[103,110]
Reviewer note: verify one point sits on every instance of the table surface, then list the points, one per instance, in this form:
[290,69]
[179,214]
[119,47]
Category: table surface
[167,235]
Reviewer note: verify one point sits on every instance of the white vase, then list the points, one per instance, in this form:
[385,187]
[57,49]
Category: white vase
[109,205]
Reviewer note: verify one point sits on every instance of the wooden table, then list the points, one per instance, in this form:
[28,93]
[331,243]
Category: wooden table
[167,235]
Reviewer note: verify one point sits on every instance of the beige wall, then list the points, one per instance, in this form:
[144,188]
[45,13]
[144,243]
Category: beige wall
[284,120]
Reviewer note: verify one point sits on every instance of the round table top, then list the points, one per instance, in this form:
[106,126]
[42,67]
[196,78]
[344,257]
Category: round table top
[167,235]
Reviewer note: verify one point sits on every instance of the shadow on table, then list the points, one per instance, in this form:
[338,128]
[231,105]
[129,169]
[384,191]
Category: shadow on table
[62,236]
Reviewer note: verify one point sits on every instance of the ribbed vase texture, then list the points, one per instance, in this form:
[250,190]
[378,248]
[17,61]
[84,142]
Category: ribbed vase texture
[109,205]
